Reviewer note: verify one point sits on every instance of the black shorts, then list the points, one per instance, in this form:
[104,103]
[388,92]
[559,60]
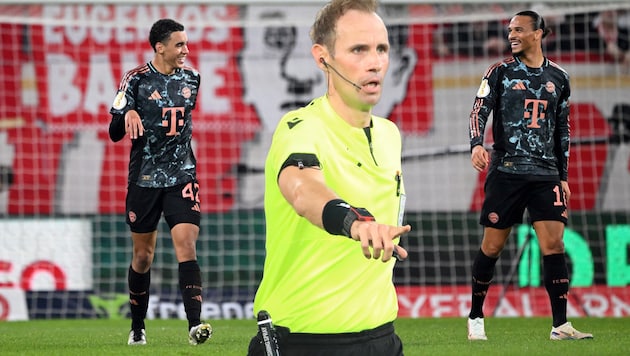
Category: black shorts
[508,195]
[380,341]
[145,206]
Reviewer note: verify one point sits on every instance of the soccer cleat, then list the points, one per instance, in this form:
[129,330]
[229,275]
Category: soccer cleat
[566,331]
[476,329]
[199,334]
[137,337]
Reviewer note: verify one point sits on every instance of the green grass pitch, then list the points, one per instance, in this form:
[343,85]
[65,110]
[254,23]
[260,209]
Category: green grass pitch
[444,336]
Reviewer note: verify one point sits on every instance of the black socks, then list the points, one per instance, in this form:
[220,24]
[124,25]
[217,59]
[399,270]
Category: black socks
[190,286]
[138,297]
[556,279]
[482,273]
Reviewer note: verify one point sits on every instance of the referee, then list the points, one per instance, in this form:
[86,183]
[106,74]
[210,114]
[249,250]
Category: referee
[334,201]
[528,96]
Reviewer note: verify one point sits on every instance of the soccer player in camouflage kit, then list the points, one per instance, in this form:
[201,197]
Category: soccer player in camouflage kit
[153,106]
[529,97]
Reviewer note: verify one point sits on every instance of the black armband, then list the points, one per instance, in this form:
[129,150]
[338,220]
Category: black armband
[338,216]
[301,160]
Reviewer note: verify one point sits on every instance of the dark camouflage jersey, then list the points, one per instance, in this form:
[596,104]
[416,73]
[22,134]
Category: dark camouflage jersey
[530,124]
[163,156]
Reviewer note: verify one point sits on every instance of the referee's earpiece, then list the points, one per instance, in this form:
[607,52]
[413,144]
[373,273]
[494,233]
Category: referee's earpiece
[328,66]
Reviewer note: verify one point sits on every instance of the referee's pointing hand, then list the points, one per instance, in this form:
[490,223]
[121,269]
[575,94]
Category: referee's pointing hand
[380,237]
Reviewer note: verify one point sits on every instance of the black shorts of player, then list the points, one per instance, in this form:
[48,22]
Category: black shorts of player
[380,341]
[508,195]
[178,204]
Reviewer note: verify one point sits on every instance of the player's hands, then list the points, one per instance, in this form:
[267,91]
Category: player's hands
[479,158]
[133,124]
[380,237]
[566,191]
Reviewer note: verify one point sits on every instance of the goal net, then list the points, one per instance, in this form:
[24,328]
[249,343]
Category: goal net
[64,245]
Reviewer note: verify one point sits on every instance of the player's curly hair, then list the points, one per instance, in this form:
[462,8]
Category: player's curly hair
[162,29]
[323,29]
[537,20]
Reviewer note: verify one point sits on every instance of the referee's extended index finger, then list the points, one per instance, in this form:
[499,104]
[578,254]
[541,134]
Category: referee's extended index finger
[403,229]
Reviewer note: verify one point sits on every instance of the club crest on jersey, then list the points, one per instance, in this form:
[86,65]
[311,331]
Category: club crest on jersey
[120,101]
[550,87]
[186,93]
[484,89]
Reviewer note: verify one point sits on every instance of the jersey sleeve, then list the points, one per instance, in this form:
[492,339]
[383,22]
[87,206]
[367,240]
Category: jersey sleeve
[117,127]
[292,136]
[563,139]
[484,104]
[197,83]
[125,96]
[123,102]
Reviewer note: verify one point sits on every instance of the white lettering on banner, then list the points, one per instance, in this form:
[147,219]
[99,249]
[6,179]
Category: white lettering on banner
[46,254]
[101,34]
[441,305]
[100,85]
[597,304]
[128,24]
[76,34]
[620,308]
[212,80]
[125,34]
[506,309]
[84,63]
[526,305]
[208,15]
[63,96]
[600,305]
[598,301]
[225,310]
[413,306]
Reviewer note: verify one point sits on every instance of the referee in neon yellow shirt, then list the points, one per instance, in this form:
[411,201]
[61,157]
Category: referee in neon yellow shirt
[334,201]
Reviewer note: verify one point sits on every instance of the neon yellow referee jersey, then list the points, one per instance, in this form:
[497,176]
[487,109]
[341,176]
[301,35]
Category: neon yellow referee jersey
[314,282]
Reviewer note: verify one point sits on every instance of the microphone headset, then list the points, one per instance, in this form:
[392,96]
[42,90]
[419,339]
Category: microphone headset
[357,86]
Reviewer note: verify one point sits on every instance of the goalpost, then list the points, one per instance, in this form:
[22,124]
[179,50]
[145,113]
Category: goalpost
[64,245]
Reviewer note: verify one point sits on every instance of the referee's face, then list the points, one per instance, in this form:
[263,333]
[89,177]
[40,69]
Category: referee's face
[362,57]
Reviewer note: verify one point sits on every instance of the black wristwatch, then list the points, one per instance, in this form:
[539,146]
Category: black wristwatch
[353,215]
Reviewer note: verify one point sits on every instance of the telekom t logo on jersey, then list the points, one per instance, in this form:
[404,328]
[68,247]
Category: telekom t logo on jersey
[172,121]
[533,111]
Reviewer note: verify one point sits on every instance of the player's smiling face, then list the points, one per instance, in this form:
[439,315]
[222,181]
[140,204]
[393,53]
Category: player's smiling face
[521,35]
[174,50]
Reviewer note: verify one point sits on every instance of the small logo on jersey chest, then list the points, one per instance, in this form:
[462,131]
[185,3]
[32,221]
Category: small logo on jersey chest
[550,87]
[294,122]
[155,95]
[519,86]
[186,92]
